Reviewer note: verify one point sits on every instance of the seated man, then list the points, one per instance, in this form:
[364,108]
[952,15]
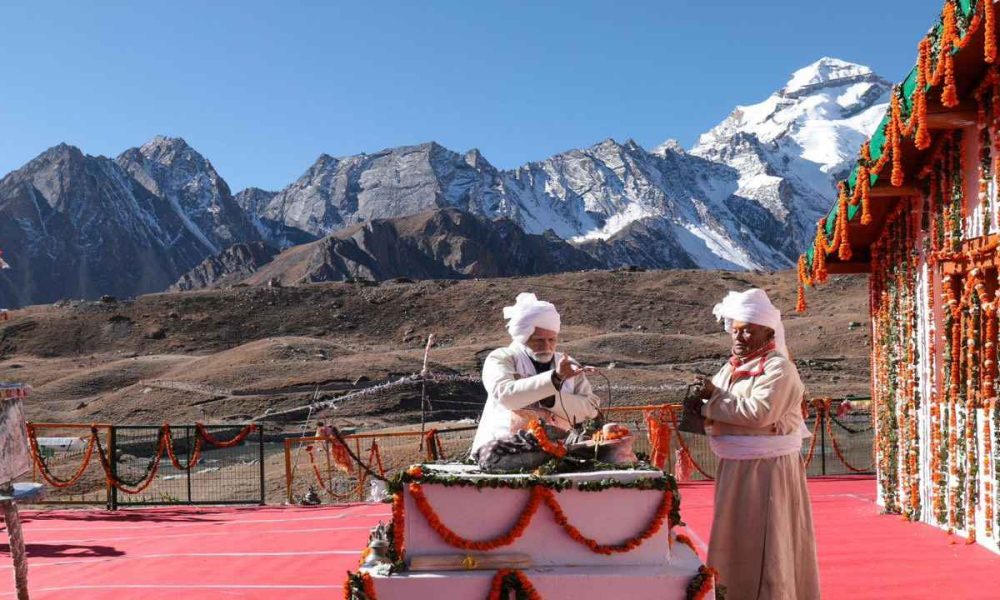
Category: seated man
[530,380]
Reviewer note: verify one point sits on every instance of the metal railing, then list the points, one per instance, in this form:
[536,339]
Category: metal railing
[130,465]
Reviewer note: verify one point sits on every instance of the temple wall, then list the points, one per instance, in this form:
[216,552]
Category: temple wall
[934,330]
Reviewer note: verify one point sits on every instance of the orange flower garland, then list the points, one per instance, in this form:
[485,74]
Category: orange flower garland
[453,539]
[195,454]
[683,539]
[932,71]
[658,430]
[398,526]
[708,577]
[662,512]
[43,468]
[242,435]
[503,575]
[537,496]
[536,428]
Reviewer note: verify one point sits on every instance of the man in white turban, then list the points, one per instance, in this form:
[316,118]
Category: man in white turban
[530,380]
[762,540]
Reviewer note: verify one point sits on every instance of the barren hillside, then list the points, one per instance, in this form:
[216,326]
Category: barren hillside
[240,352]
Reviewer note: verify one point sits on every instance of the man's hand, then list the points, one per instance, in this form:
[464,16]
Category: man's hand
[704,388]
[567,369]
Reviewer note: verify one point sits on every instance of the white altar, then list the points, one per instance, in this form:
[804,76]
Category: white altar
[626,506]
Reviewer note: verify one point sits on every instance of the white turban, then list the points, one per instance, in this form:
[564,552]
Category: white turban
[528,313]
[752,306]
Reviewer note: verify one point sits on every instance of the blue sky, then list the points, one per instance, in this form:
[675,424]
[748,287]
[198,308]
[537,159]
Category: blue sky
[262,88]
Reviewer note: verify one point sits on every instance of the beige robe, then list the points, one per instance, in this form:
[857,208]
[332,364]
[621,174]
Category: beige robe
[762,532]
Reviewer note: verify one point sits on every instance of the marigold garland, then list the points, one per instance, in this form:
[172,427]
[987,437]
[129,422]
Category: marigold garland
[398,527]
[703,583]
[242,435]
[453,539]
[537,496]
[659,431]
[507,580]
[662,512]
[43,467]
[164,445]
[547,445]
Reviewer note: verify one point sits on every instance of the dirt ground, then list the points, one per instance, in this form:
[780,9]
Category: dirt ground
[253,352]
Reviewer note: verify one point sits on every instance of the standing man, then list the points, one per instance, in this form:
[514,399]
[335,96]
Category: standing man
[762,532]
[530,380]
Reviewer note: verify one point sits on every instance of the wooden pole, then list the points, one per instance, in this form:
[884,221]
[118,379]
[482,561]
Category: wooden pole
[288,470]
[16,537]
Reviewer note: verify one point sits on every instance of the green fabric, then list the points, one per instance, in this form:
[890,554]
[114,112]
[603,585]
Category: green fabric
[878,141]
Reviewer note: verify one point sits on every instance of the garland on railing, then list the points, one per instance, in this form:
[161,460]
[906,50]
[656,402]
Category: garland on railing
[658,429]
[837,450]
[432,445]
[358,488]
[684,448]
[130,486]
[43,467]
[164,445]
[210,439]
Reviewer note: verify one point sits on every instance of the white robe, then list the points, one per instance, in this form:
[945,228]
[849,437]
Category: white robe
[513,385]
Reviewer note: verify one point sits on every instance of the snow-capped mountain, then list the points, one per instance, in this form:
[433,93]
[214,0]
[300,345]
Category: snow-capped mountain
[747,196]
[790,149]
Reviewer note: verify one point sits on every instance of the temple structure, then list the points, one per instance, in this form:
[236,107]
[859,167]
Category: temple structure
[919,213]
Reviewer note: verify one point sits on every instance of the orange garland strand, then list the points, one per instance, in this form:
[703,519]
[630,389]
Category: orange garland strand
[659,432]
[43,469]
[496,586]
[539,495]
[548,446]
[453,539]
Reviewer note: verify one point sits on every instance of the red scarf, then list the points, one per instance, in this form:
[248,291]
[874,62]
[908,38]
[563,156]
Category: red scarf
[741,364]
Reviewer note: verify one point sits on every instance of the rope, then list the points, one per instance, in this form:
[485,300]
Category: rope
[684,447]
[849,429]
[319,478]
[840,454]
[812,445]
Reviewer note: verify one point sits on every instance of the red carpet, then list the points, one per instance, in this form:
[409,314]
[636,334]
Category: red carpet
[294,553]
[863,554]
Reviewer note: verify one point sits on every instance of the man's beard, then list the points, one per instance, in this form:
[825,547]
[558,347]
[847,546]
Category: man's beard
[539,357]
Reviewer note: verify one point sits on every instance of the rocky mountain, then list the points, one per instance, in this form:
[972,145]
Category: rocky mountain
[746,197]
[229,266]
[439,244]
[172,170]
[80,226]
